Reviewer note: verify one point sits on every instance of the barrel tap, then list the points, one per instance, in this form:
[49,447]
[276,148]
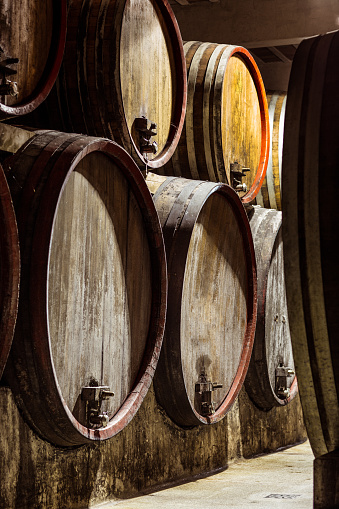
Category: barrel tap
[7,87]
[146,130]
[237,173]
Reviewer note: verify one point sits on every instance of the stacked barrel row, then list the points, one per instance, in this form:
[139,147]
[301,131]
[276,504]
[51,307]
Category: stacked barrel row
[309,203]
[91,322]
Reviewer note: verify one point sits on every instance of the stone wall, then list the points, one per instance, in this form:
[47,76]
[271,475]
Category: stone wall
[149,453]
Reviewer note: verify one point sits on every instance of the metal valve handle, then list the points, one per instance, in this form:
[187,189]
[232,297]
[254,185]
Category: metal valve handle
[146,130]
[93,396]
[237,173]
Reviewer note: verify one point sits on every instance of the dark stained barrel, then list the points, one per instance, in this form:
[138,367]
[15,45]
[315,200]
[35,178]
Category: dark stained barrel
[211,299]
[32,32]
[310,207]
[269,195]
[188,2]
[123,61]
[226,126]
[271,379]
[9,270]
[93,287]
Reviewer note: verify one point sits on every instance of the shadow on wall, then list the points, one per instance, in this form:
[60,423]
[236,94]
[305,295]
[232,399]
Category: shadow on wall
[36,474]
[148,454]
[267,431]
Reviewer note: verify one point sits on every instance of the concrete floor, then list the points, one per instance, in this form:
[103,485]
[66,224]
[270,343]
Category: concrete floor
[280,480]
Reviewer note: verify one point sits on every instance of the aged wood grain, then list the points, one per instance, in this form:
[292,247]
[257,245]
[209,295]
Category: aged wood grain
[12,137]
[26,34]
[309,206]
[9,270]
[147,70]
[226,118]
[214,307]
[33,32]
[241,121]
[269,195]
[93,295]
[272,344]
[99,295]
[212,296]
[123,59]
[278,340]
[189,2]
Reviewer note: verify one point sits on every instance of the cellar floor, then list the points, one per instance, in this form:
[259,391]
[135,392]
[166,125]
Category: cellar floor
[280,480]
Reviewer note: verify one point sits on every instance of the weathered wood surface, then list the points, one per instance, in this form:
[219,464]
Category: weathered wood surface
[123,59]
[310,181]
[154,181]
[211,297]
[226,118]
[142,31]
[9,270]
[12,137]
[93,299]
[33,32]
[269,195]
[326,487]
[99,291]
[189,2]
[272,344]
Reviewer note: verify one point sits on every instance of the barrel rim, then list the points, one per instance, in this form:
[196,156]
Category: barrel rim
[10,270]
[180,94]
[265,397]
[305,150]
[68,431]
[51,70]
[246,56]
[293,236]
[177,265]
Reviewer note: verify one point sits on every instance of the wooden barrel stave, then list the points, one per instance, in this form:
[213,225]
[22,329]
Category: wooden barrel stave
[327,217]
[35,33]
[198,258]
[9,270]
[272,343]
[308,242]
[179,160]
[269,195]
[72,188]
[316,254]
[123,60]
[206,149]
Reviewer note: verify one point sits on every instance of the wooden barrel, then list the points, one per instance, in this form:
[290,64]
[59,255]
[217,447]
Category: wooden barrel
[226,127]
[188,2]
[9,270]
[211,300]
[310,208]
[269,194]
[123,61]
[271,379]
[93,287]
[33,34]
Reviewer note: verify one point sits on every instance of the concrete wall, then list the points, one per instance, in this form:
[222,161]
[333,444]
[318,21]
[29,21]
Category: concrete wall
[257,22]
[149,453]
[276,75]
